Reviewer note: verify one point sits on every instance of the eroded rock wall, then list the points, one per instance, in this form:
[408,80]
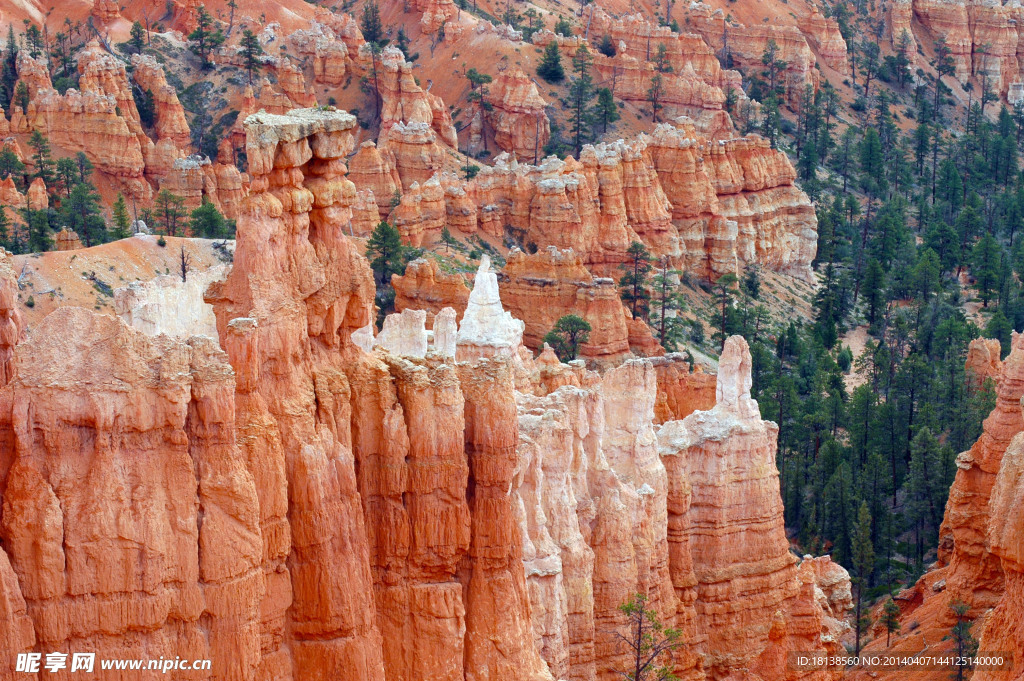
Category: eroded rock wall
[368,515]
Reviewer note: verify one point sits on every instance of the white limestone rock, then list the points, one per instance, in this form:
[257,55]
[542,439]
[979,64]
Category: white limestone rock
[487,330]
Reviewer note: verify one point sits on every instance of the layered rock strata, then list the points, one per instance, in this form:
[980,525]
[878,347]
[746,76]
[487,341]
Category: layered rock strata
[751,605]
[317,511]
[975,575]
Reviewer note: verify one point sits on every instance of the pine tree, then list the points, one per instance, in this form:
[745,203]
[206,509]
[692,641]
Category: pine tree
[137,37]
[890,619]
[34,41]
[569,333]
[447,239]
[774,67]
[122,222]
[550,67]
[667,304]
[66,174]
[964,644]
[986,261]
[723,292]
[944,66]
[870,62]
[771,119]
[873,290]
[207,222]
[648,644]
[863,563]
[581,91]
[206,37]
[606,46]
[169,210]
[606,110]
[42,161]
[9,72]
[386,253]
[656,91]
[370,24]
[633,283]
[81,213]
[251,51]
[38,223]
[6,240]
[872,164]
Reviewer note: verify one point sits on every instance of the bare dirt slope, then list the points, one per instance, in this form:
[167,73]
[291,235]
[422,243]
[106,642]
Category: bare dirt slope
[88,276]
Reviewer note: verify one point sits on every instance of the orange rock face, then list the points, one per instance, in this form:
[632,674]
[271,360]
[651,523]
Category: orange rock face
[745,45]
[425,287]
[403,101]
[318,613]
[317,511]
[11,323]
[539,289]
[520,124]
[173,137]
[542,288]
[981,538]
[681,390]
[983,361]
[67,240]
[1004,626]
[824,36]
[36,195]
[70,524]
[974,575]
[734,202]
[325,49]
[372,170]
[100,119]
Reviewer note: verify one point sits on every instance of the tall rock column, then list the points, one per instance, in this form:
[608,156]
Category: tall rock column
[303,288]
[1004,626]
[751,604]
[499,634]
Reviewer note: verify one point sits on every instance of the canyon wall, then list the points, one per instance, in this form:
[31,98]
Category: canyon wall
[291,506]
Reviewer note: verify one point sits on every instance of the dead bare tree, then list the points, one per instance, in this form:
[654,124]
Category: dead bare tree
[186,261]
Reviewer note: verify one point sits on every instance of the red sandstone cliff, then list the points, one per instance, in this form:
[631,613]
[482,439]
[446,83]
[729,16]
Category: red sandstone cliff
[316,511]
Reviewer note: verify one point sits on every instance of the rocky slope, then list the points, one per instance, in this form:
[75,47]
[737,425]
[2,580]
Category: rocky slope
[292,506]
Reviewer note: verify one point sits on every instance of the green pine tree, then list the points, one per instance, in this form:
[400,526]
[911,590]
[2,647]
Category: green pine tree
[122,222]
[550,67]
[251,50]
[206,37]
[568,335]
[864,565]
[633,283]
